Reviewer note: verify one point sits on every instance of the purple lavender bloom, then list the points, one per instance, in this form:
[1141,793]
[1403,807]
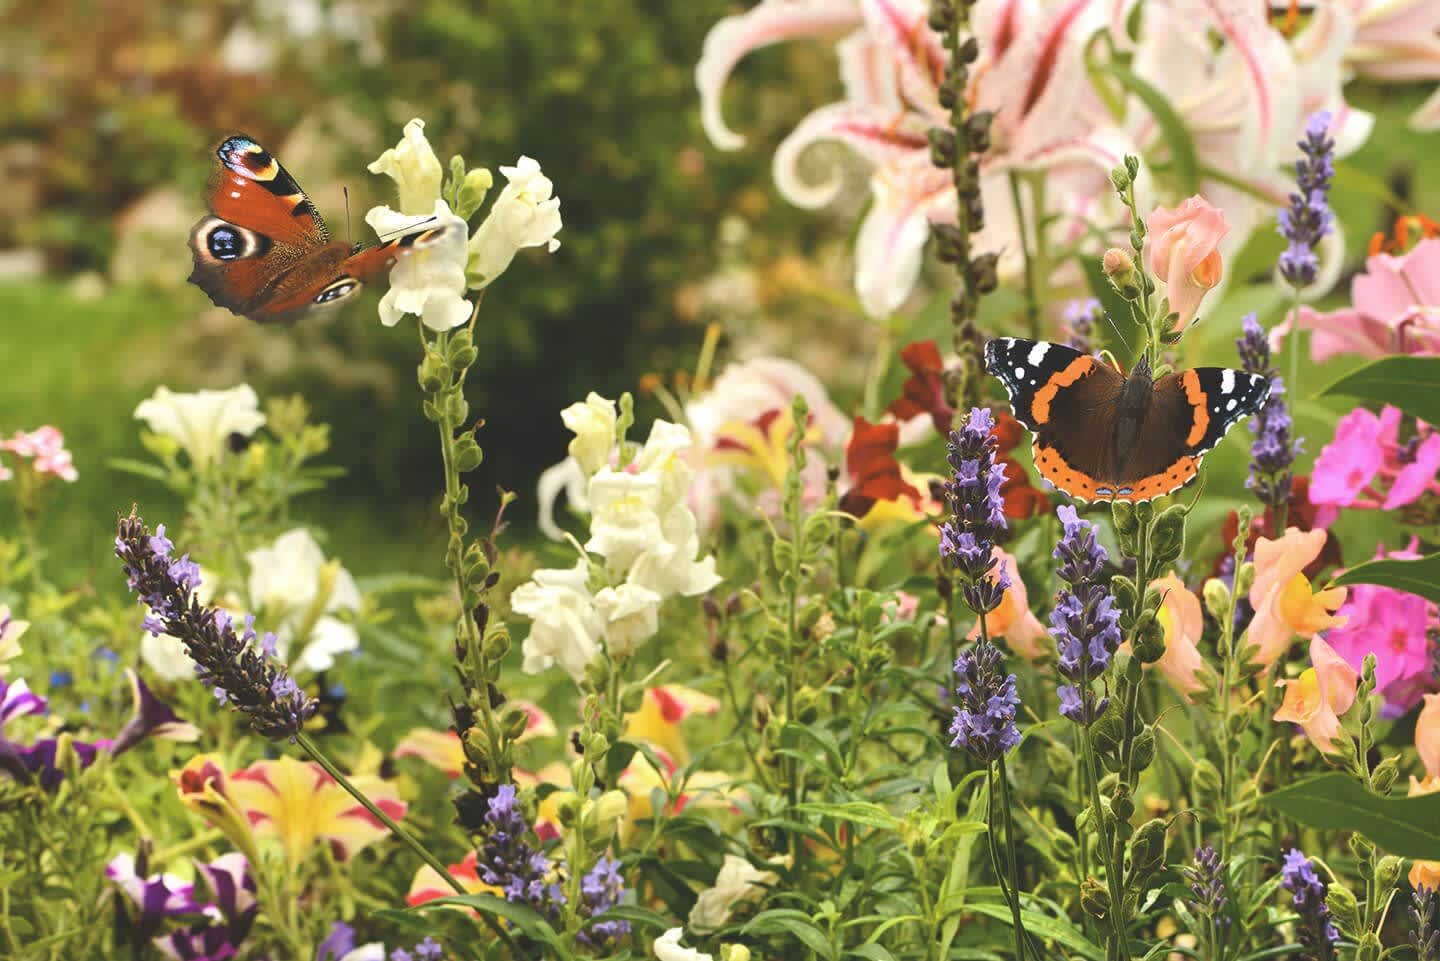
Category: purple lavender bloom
[338,943]
[1424,932]
[509,862]
[984,721]
[977,512]
[428,950]
[1080,317]
[1273,453]
[1308,216]
[602,887]
[241,676]
[1317,934]
[1085,622]
[1207,886]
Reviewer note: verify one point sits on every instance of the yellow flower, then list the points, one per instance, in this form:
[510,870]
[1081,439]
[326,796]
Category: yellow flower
[203,790]
[658,720]
[10,633]
[759,446]
[300,804]
[1286,605]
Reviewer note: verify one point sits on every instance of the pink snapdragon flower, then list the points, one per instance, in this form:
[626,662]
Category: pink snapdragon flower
[1367,467]
[1395,309]
[1394,625]
[1184,252]
[44,447]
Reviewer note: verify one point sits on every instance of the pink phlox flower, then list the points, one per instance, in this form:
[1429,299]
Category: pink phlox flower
[1367,467]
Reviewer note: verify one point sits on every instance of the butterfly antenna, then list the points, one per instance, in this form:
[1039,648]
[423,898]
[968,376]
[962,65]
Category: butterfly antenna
[407,228]
[349,234]
[1116,327]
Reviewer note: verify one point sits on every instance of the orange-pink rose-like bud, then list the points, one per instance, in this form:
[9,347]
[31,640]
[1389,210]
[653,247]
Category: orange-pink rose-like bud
[1184,249]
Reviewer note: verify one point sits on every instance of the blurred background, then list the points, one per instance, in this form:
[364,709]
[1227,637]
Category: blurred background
[109,111]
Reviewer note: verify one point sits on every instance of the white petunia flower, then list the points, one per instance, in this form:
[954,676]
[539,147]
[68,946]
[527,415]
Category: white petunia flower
[738,881]
[202,422]
[565,625]
[632,617]
[430,282]
[11,629]
[526,214]
[416,170]
[287,581]
[593,423]
[669,948]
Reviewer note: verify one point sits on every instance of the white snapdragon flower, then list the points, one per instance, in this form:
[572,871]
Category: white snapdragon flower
[738,881]
[669,948]
[661,456]
[416,170]
[669,566]
[526,214]
[632,617]
[300,593]
[593,423]
[623,516]
[430,282]
[202,422]
[565,625]
[11,630]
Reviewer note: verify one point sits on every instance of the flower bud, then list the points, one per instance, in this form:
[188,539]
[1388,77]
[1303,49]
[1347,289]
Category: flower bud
[1206,778]
[567,807]
[1094,899]
[1385,773]
[1217,599]
[1147,849]
[1387,872]
[734,952]
[473,188]
[1343,907]
[1120,268]
[1167,536]
[1149,644]
[1244,577]
[602,816]
[1143,750]
[1361,847]
[942,146]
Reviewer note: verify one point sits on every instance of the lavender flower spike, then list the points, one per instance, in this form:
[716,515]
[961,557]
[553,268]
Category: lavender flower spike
[251,682]
[1207,885]
[509,862]
[1274,451]
[1085,622]
[977,515]
[1314,929]
[984,723]
[1308,216]
[1424,930]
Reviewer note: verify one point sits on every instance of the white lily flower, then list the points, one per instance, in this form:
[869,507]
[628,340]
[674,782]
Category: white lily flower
[416,170]
[565,625]
[526,214]
[287,580]
[202,422]
[430,282]
[632,617]
[593,423]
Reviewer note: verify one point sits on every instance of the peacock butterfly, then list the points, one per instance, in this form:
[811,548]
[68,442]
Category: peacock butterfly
[265,253]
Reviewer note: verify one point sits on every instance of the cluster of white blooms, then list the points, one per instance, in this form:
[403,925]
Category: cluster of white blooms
[642,527]
[431,283]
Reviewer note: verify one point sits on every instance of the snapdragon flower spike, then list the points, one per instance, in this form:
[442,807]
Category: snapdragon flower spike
[977,512]
[1085,622]
[1314,929]
[984,721]
[1308,216]
[509,862]
[240,674]
[1273,453]
[1207,885]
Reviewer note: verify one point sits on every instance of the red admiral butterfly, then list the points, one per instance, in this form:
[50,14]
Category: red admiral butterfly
[267,253]
[1100,435]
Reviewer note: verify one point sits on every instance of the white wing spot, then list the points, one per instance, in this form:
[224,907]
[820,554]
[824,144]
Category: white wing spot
[1227,381]
[1231,404]
[235,194]
[1037,354]
[1020,372]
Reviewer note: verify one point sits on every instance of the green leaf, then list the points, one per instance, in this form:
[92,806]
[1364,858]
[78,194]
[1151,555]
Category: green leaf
[1044,926]
[1420,576]
[530,922]
[642,917]
[855,812]
[1411,383]
[871,952]
[1176,134]
[1407,827]
[795,923]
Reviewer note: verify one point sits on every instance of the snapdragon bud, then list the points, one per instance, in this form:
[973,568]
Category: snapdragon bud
[1120,268]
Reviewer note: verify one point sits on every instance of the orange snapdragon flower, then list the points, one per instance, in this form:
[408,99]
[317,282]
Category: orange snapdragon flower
[1286,605]
[1322,693]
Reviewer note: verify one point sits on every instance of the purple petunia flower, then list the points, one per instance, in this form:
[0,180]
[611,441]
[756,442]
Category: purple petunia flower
[1085,622]
[1307,218]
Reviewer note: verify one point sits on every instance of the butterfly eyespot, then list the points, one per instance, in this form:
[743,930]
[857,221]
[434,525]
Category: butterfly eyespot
[225,243]
[335,291]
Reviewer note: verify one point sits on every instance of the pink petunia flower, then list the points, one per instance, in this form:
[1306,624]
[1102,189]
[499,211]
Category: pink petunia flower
[1395,309]
[1394,626]
[1367,467]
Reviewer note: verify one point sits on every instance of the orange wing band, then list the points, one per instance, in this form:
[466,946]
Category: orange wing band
[1040,405]
[1196,397]
[1080,486]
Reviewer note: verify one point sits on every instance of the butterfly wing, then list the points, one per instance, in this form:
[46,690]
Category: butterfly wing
[1070,402]
[1189,413]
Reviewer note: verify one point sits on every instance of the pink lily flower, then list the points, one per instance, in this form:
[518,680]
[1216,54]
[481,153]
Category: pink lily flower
[1398,41]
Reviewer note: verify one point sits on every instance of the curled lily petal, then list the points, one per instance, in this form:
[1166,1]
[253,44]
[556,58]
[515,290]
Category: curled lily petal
[727,43]
[892,237]
[878,135]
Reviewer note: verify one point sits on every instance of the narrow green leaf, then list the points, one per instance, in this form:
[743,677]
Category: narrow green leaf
[855,812]
[1420,576]
[530,922]
[1044,926]
[1407,827]
[642,917]
[871,952]
[1183,159]
[792,922]
[1409,382]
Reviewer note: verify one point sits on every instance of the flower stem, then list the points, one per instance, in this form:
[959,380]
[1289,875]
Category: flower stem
[1032,302]
[1022,938]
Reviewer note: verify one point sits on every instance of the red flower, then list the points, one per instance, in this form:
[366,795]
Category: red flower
[874,471]
[924,391]
[1301,514]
